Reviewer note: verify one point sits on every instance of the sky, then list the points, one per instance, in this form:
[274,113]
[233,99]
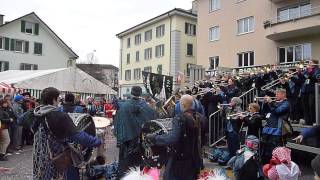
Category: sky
[91,25]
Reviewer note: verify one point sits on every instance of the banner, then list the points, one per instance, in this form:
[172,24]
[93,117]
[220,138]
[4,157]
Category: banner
[154,84]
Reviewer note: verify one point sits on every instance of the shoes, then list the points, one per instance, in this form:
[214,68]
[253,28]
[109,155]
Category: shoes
[3,157]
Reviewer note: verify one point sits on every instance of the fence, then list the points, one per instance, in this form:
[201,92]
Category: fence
[318,103]
[217,120]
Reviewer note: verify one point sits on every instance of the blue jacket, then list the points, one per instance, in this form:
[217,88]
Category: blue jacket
[311,78]
[196,106]
[311,132]
[279,112]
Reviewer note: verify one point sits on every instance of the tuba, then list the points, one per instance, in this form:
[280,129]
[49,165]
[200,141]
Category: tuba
[169,105]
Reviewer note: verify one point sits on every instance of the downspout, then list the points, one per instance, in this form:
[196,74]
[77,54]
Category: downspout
[170,56]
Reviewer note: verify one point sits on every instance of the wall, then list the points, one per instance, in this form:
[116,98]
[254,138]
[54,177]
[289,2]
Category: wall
[53,54]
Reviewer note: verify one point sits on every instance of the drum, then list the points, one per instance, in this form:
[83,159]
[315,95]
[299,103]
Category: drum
[155,156]
[83,122]
[102,124]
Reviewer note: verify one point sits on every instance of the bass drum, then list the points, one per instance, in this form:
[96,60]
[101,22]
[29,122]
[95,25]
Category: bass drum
[83,122]
[155,156]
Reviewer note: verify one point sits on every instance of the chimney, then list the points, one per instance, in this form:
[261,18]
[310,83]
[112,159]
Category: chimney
[1,19]
[195,7]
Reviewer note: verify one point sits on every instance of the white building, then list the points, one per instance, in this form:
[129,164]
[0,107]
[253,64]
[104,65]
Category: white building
[28,43]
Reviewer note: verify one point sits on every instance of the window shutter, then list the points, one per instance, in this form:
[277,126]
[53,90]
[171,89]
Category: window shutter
[26,46]
[194,30]
[23,26]
[40,48]
[35,67]
[6,66]
[7,44]
[186,28]
[21,66]
[12,45]
[36,29]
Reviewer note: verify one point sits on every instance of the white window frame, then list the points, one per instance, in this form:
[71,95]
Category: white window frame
[22,46]
[242,21]
[2,66]
[214,5]
[214,31]
[148,69]
[160,31]
[34,45]
[137,74]
[159,51]
[214,58]
[289,16]
[27,64]
[190,29]
[137,56]
[137,39]
[2,43]
[33,27]
[128,58]
[243,53]
[145,35]
[128,42]
[127,75]
[190,55]
[294,52]
[148,54]
[160,65]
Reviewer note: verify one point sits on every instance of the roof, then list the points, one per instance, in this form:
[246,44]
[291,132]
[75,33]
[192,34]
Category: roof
[75,56]
[65,79]
[104,66]
[175,11]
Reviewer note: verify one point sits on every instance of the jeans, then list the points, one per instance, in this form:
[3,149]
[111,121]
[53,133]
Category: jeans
[233,141]
[4,140]
[17,136]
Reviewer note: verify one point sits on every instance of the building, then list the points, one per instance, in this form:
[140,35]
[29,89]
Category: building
[28,43]
[247,33]
[164,45]
[108,74]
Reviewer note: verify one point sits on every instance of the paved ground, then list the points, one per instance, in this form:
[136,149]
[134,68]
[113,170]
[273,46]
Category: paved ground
[21,164]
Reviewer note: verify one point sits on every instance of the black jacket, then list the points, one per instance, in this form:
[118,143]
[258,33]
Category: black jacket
[254,124]
[5,119]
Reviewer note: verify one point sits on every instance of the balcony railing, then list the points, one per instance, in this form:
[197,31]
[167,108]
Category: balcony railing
[292,16]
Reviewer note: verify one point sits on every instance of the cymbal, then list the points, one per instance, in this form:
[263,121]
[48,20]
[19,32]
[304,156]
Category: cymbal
[101,122]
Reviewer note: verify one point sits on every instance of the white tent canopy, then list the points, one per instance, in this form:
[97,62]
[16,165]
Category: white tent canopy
[66,79]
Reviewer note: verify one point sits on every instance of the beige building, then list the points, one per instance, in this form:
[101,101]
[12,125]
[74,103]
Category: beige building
[246,33]
[164,45]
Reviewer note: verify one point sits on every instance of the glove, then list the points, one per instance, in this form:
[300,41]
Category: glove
[151,139]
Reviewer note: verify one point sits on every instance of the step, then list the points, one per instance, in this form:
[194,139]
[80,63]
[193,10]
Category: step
[304,148]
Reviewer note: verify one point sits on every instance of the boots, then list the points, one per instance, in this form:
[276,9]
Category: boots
[3,157]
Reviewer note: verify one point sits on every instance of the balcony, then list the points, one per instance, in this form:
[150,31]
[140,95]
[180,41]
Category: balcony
[293,23]
[278,1]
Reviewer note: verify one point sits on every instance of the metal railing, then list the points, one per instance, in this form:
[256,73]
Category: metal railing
[317,99]
[217,119]
[291,16]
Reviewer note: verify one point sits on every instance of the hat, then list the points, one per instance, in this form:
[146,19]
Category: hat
[136,91]
[252,142]
[69,98]
[18,98]
[315,164]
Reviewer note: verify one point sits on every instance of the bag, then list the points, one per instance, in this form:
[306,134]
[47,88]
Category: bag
[62,161]
[286,128]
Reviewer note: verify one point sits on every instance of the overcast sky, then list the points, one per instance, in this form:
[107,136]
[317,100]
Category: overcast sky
[87,25]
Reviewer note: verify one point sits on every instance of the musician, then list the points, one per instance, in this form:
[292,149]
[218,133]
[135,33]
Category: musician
[253,121]
[130,117]
[184,160]
[277,118]
[52,130]
[233,126]
[232,90]
[210,102]
[312,76]
[69,105]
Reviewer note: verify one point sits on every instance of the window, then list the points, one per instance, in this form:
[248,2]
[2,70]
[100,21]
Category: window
[148,69]
[137,74]
[160,50]
[246,25]
[128,42]
[189,49]
[214,62]
[2,43]
[214,33]
[25,66]
[18,46]
[29,27]
[160,31]
[159,69]
[214,5]
[137,56]
[148,53]
[295,53]
[4,66]
[190,29]
[37,48]
[148,35]
[127,75]
[128,58]
[293,12]
[137,39]
[246,59]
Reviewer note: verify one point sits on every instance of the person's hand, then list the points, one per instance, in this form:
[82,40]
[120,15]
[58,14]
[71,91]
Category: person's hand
[298,139]
[267,99]
[11,120]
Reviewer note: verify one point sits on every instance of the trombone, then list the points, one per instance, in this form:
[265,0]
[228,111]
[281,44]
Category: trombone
[236,115]
[262,98]
[222,105]
[277,81]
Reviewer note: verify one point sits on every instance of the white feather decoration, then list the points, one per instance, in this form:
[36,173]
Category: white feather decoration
[136,174]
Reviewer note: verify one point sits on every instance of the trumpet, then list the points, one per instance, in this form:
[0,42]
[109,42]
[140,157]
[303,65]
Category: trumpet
[262,98]
[222,105]
[236,115]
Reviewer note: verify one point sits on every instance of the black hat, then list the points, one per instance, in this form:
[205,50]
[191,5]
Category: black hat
[315,164]
[69,98]
[136,91]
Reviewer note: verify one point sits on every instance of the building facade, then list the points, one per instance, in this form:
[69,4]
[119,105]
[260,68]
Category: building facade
[163,45]
[106,73]
[247,33]
[27,43]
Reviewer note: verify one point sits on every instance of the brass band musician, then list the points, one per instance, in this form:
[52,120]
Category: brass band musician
[254,120]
